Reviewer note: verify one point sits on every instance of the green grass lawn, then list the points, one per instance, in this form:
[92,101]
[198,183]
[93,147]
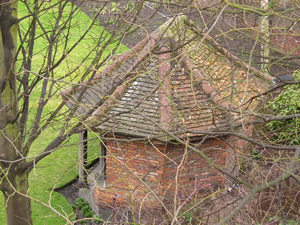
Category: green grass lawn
[54,171]
[60,167]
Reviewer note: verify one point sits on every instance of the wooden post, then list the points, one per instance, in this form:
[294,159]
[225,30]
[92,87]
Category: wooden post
[82,157]
[102,160]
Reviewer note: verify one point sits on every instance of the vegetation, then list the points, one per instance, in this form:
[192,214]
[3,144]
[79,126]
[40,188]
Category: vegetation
[287,103]
[85,209]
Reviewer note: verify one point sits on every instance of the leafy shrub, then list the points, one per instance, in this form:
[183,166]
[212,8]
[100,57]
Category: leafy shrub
[86,210]
[287,103]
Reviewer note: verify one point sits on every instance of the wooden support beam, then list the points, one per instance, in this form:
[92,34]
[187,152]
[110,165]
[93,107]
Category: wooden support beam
[82,157]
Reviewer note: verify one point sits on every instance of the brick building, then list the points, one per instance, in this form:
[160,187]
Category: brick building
[163,111]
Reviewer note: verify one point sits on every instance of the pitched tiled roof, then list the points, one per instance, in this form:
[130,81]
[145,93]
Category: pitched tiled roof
[176,79]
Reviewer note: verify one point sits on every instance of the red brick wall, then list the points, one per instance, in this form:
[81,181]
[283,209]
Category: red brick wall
[129,164]
[194,173]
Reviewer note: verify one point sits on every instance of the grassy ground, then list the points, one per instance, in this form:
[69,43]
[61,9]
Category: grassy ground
[60,167]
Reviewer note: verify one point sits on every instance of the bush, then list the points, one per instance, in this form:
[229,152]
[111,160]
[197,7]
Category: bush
[86,210]
[287,103]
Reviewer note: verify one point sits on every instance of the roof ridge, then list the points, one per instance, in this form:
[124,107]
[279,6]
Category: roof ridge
[164,92]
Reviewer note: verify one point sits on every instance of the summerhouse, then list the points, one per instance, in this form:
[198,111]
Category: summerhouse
[164,112]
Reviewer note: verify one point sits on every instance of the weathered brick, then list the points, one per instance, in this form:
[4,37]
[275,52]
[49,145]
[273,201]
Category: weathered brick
[144,161]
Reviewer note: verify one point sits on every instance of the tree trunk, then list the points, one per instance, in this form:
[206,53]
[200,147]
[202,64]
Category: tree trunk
[265,34]
[18,205]
[14,184]
[13,181]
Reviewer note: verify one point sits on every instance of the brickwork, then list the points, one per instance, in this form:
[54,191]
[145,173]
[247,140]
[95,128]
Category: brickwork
[193,172]
[133,168]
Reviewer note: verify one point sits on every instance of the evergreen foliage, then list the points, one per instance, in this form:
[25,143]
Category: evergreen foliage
[287,103]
